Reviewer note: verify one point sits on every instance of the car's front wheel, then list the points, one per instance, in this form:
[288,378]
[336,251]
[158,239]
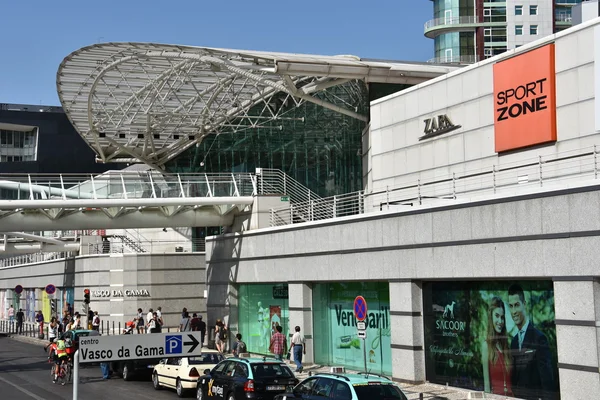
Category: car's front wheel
[199,394]
[155,381]
[231,397]
[127,373]
[179,388]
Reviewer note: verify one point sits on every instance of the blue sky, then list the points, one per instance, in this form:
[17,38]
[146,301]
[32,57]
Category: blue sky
[38,34]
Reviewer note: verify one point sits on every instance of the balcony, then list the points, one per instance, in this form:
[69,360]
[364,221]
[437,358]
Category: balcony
[461,60]
[437,26]
[563,19]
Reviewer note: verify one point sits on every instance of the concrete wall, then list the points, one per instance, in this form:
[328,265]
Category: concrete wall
[173,281]
[397,157]
[552,235]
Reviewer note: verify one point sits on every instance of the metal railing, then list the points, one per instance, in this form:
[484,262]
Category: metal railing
[543,172]
[469,59]
[23,259]
[126,185]
[274,181]
[120,244]
[451,21]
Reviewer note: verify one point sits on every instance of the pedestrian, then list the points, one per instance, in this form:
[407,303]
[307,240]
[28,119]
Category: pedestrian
[159,315]
[96,322]
[219,336]
[39,319]
[149,317]
[140,321]
[186,324]
[20,318]
[239,347]
[184,311]
[297,348]
[278,343]
[90,319]
[154,325]
[52,332]
[195,322]
[105,368]
[11,316]
[202,329]
[69,309]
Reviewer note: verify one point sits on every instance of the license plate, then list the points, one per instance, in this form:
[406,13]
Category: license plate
[275,387]
[150,366]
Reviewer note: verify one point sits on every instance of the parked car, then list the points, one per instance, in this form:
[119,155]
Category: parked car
[131,369]
[345,387]
[246,378]
[182,373]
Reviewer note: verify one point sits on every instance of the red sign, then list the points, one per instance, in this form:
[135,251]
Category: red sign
[360,308]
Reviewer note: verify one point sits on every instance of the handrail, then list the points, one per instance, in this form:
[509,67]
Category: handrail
[540,171]
[472,19]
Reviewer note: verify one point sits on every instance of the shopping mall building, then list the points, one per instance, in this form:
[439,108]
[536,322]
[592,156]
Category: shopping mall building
[474,181]
[463,206]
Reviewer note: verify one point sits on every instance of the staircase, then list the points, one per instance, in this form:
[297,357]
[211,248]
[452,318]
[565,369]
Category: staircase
[132,244]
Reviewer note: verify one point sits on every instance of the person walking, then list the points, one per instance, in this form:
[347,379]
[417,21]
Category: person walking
[149,317]
[202,329]
[105,368]
[297,348]
[239,347]
[278,343]
[186,323]
[20,318]
[11,316]
[140,321]
[220,336]
[52,332]
[96,322]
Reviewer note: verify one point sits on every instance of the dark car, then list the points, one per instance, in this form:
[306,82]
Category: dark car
[345,387]
[246,378]
[130,369]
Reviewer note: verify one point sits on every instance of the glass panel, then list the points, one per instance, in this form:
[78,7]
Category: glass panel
[261,309]
[336,340]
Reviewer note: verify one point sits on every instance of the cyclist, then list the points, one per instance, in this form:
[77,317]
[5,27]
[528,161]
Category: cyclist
[60,357]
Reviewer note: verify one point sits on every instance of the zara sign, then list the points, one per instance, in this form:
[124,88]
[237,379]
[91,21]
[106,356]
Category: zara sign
[438,125]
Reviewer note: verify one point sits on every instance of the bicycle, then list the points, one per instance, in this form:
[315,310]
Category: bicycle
[64,372]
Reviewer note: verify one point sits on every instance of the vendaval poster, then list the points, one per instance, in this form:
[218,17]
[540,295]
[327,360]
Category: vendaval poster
[497,337]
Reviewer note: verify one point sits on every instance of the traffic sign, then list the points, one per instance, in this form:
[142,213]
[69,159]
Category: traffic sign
[362,334]
[360,308]
[18,289]
[50,289]
[361,325]
[133,347]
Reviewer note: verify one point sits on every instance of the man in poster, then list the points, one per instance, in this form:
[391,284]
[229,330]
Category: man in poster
[532,376]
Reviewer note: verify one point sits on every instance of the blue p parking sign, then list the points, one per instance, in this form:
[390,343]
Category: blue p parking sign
[173,344]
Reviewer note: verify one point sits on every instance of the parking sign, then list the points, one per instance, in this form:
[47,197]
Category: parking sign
[173,344]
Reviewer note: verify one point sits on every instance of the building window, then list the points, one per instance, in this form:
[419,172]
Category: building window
[487,32]
[518,30]
[533,29]
[533,10]
[17,146]
[487,53]
[518,10]
[487,12]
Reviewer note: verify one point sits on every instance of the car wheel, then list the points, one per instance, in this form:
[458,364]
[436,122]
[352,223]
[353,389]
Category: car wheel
[127,375]
[231,397]
[179,388]
[199,394]
[155,382]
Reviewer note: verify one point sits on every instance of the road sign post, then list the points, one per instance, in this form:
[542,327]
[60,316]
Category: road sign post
[360,313]
[134,347]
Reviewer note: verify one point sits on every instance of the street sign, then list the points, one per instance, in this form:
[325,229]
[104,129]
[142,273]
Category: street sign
[18,289]
[361,325]
[133,347]
[360,308]
[362,334]
[50,289]
[285,198]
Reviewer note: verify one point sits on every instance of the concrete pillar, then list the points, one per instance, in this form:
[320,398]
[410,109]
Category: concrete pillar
[577,311]
[406,315]
[300,306]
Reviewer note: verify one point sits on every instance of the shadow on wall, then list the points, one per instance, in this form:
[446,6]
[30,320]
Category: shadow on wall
[221,278]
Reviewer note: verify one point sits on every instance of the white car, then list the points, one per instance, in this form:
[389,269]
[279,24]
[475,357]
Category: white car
[182,373]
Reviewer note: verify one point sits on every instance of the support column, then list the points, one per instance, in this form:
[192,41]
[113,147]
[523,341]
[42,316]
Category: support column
[577,311]
[301,314]
[406,314]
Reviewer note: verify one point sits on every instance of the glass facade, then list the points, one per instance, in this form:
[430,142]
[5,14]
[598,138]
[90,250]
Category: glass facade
[17,146]
[453,8]
[318,147]
[261,308]
[335,335]
[450,47]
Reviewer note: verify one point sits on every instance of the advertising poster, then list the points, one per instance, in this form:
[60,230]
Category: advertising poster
[497,337]
[274,318]
[335,321]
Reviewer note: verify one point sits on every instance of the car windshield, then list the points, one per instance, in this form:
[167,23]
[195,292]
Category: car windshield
[208,358]
[379,391]
[271,370]
[86,333]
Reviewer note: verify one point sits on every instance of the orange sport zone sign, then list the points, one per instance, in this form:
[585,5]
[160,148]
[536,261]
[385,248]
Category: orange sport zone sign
[525,100]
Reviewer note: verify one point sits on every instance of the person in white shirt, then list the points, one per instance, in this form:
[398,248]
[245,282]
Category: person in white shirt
[298,347]
[185,324]
[159,315]
[149,317]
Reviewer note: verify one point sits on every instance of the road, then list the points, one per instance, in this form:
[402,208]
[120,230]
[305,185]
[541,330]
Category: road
[25,375]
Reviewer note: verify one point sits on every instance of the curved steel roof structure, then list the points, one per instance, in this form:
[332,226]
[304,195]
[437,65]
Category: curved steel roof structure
[149,102]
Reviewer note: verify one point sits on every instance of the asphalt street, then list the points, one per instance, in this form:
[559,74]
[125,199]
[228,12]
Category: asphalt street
[25,374]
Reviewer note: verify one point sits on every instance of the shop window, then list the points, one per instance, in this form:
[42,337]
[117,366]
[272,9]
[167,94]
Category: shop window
[518,30]
[261,309]
[533,10]
[519,10]
[334,326]
[533,29]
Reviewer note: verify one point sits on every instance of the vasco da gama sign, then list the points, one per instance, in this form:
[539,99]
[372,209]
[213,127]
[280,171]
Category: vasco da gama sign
[525,100]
